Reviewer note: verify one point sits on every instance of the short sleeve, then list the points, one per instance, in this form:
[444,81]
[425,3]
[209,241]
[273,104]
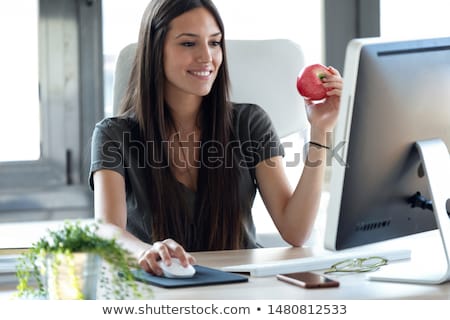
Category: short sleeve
[259,139]
[106,150]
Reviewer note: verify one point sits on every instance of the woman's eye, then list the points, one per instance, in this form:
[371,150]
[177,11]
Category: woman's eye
[188,44]
[216,43]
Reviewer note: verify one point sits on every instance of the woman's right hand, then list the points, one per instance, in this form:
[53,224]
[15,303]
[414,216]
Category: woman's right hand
[163,250]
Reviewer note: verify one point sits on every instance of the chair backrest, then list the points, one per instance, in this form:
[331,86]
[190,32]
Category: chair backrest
[263,72]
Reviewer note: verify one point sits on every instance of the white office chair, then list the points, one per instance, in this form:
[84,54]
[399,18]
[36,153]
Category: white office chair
[263,72]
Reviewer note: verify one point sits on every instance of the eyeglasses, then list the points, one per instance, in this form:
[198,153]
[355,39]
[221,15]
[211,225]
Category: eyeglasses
[358,265]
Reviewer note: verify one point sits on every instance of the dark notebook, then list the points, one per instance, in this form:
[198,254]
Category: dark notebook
[203,276]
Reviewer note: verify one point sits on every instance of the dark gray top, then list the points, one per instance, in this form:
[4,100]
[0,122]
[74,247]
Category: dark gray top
[115,137]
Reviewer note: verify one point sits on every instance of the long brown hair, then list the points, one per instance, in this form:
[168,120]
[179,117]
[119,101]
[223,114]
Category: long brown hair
[217,217]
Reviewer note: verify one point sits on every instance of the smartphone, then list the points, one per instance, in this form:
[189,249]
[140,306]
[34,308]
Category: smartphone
[308,280]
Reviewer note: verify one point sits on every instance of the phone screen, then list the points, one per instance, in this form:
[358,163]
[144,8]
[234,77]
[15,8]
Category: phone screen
[308,280]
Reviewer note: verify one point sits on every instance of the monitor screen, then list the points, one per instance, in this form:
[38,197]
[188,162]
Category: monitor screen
[395,93]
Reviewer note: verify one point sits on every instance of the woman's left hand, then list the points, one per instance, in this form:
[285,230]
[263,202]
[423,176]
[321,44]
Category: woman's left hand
[323,115]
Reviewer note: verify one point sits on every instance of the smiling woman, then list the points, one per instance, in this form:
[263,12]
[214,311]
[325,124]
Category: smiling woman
[191,52]
[297,20]
[178,98]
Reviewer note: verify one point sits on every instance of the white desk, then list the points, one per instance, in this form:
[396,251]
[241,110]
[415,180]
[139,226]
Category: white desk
[354,286]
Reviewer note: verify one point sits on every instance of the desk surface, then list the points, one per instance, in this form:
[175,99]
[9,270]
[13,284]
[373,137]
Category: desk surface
[352,286]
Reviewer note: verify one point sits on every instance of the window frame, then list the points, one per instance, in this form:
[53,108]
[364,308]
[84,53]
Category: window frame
[71,102]
[345,20]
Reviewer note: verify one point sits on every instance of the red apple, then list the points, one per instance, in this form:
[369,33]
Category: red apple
[309,82]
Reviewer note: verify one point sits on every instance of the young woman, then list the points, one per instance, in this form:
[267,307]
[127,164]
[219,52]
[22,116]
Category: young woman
[178,169]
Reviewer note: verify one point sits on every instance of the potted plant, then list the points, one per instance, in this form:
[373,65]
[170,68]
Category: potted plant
[69,263]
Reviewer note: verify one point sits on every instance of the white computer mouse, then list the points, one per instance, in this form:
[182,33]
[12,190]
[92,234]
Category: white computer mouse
[176,269]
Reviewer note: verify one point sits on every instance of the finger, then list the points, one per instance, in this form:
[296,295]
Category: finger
[163,251]
[191,259]
[334,71]
[145,265]
[149,262]
[154,266]
[151,258]
[177,251]
[332,78]
[334,92]
[333,85]
[187,259]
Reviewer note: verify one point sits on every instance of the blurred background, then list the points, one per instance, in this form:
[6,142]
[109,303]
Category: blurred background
[56,75]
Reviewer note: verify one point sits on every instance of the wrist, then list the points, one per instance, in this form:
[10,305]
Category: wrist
[318,145]
[320,137]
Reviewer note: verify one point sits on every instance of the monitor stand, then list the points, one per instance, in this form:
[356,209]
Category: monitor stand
[436,163]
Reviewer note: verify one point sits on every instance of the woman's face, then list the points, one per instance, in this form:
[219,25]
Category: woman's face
[192,54]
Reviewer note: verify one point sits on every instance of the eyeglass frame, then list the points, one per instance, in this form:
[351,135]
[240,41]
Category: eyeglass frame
[355,265]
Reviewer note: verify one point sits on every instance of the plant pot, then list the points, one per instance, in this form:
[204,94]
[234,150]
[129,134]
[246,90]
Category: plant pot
[72,276]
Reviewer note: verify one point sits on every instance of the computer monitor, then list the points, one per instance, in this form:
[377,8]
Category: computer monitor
[395,93]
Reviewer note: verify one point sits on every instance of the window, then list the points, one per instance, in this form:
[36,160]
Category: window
[19,65]
[297,20]
[42,173]
[414,19]
[116,36]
